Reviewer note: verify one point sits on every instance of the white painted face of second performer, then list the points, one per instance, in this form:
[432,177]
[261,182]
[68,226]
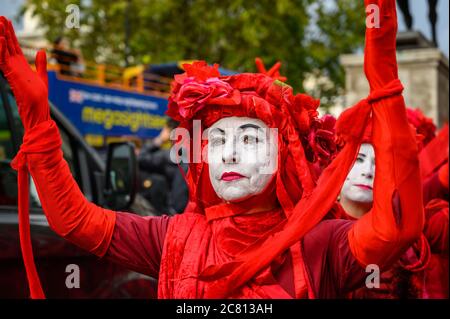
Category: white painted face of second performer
[358,187]
[242,157]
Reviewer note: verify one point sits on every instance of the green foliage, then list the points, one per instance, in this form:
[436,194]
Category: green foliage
[307,36]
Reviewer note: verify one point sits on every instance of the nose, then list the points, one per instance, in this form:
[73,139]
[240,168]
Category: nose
[368,171]
[368,175]
[229,154]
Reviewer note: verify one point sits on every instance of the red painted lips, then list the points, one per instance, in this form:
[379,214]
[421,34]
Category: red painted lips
[231,176]
[365,187]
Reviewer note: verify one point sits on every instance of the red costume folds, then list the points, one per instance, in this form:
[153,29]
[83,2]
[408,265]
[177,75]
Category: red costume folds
[434,164]
[281,250]
[406,277]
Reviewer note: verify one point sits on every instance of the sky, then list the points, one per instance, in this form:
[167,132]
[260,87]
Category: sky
[419,10]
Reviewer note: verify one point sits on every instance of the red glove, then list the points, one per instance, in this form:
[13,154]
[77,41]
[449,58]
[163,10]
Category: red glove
[380,63]
[29,88]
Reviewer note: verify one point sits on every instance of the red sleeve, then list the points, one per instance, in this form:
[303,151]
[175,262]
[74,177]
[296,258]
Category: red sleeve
[332,268]
[68,212]
[137,242]
[381,236]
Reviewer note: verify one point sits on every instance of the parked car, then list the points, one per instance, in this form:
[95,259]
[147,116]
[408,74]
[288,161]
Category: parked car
[53,254]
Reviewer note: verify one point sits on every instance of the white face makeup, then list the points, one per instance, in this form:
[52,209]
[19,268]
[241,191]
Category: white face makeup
[358,187]
[242,157]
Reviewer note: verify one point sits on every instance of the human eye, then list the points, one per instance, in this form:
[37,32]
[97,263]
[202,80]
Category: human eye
[360,159]
[217,140]
[249,139]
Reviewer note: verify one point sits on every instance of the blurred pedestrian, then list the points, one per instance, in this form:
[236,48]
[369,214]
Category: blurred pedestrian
[161,180]
[70,61]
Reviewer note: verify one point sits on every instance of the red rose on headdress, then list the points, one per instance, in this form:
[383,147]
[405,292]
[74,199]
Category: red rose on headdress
[200,85]
[198,71]
[322,139]
[201,71]
[305,111]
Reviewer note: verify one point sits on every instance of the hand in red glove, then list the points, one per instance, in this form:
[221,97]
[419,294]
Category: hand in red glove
[380,64]
[29,88]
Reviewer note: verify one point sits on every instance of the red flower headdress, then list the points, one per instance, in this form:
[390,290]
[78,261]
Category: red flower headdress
[200,85]
[273,72]
[322,140]
[201,93]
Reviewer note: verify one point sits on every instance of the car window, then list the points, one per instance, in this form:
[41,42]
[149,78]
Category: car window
[68,154]
[8,176]
[17,122]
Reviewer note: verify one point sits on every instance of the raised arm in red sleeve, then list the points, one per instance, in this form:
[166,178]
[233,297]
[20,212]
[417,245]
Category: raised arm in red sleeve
[382,235]
[68,212]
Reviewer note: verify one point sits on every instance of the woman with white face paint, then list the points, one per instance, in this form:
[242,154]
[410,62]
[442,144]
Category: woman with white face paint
[357,191]
[405,279]
[252,227]
[239,157]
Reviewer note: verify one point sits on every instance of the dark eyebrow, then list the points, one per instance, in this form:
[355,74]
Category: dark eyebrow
[243,127]
[361,154]
[218,129]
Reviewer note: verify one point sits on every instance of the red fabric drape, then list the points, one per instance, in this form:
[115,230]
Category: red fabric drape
[31,144]
[434,155]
